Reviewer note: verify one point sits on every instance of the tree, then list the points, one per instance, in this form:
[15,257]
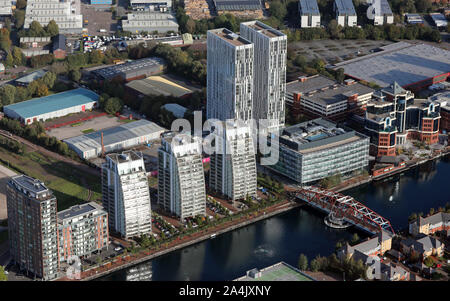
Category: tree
[49,79]
[19,17]
[355,239]
[21,4]
[335,30]
[113,105]
[3,276]
[75,75]
[9,60]
[302,262]
[423,6]
[42,90]
[277,10]
[412,217]
[96,57]
[314,265]
[340,76]
[190,25]
[18,56]
[36,29]
[52,28]
[5,41]
[7,94]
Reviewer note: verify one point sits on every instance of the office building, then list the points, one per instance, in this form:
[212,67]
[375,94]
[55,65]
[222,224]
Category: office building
[414,19]
[32,224]
[413,66]
[233,165]
[82,229]
[126,195]
[181,180]
[345,13]
[316,149]
[309,13]
[443,100]
[229,76]
[319,96]
[269,80]
[66,14]
[394,116]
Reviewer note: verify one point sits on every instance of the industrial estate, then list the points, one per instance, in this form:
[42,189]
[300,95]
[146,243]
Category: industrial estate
[128,131]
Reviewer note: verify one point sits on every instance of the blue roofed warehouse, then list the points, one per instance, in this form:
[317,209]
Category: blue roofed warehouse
[52,106]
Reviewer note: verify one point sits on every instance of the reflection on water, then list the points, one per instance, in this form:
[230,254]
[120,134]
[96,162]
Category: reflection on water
[284,237]
[141,272]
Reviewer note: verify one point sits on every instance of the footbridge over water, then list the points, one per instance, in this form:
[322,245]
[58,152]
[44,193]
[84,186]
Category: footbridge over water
[346,207]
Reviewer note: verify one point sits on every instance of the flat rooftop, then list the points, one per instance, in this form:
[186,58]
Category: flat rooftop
[317,134]
[53,103]
[133,66]
[31,77]
[230,37]
[157,85]
[30,184]
[336,93]
[312,83]
[264,29]
[78,210]
[309,7]
[278,272]
[403,62]
[345,7]
[126,156]
[114,135]
[237,4]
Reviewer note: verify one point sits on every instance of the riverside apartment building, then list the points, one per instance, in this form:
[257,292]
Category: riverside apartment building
[269,80]
[126,195]
[233,165]
[181,180]
[32,224]
[230,74]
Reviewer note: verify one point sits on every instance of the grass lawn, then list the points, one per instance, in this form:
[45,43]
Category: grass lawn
[87,131]
[76,124]
[68,183]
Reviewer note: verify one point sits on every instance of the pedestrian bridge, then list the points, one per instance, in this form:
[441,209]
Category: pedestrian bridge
[346,207]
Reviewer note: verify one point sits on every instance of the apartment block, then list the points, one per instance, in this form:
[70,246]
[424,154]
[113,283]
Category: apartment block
[431,224]
[126,195]
[345,13]
[233,165]
[65,13]
[269,80]
[381,11]
[309,13]
[230,74]
[32,224]
[82,229]
[181,180]
[316,149]
[394,116]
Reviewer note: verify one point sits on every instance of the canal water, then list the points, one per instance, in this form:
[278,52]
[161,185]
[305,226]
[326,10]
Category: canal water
[301,230]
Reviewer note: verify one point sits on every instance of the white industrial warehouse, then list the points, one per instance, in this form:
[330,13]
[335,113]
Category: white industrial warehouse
[52,106]
[117,138]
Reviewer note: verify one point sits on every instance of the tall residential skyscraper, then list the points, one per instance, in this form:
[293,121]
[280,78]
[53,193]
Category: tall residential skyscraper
[126,195]
[181,181]
[233,165]
[230,76]
[33,233]
[269,81]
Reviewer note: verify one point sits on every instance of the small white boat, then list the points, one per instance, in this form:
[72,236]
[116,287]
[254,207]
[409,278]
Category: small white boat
[213,235]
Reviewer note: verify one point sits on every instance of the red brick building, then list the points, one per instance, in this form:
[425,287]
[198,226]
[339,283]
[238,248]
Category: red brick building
[394,116]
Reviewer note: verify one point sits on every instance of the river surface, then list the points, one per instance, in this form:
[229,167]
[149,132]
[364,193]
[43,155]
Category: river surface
[301,230]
